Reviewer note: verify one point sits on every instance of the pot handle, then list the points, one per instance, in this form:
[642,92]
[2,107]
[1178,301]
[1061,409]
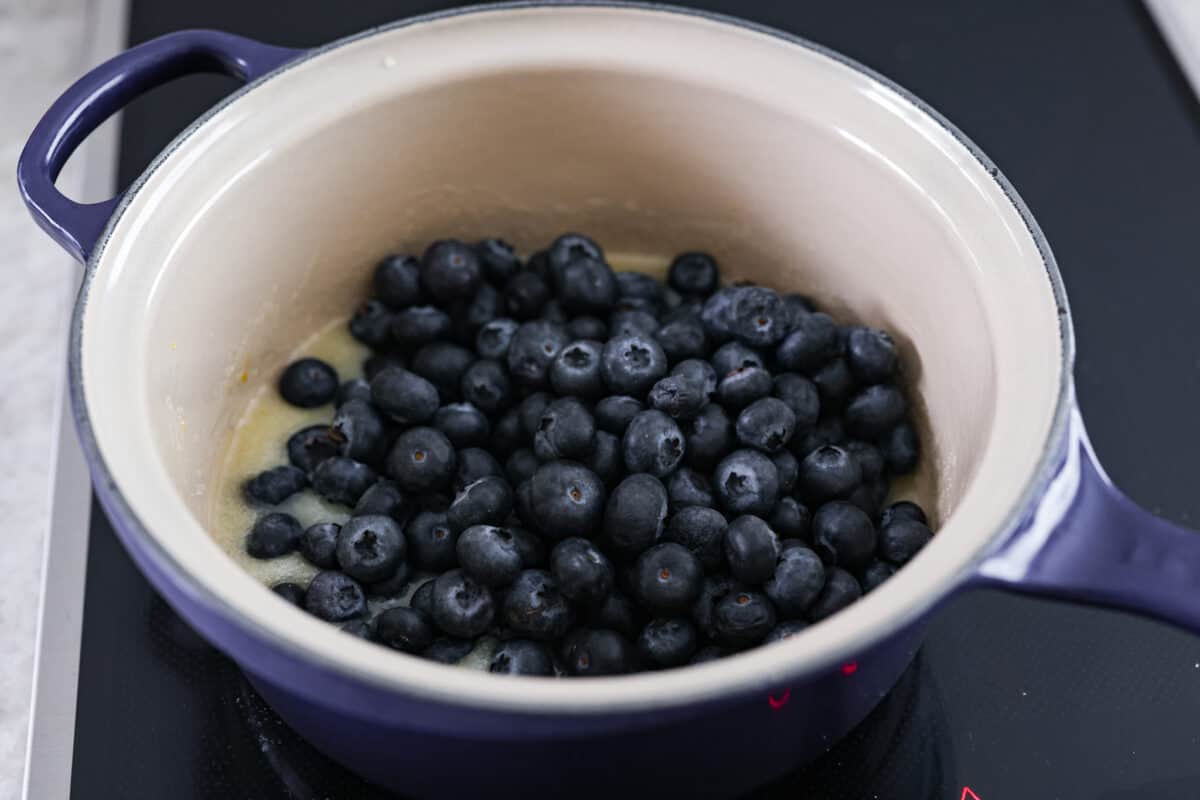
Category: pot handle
[101,93]
[1086,541]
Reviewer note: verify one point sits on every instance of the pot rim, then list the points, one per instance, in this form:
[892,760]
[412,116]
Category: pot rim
[757,670]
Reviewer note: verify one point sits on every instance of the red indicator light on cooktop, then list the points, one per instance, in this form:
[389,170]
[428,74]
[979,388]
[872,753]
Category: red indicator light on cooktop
[777,703]
[849,668]
[968,794]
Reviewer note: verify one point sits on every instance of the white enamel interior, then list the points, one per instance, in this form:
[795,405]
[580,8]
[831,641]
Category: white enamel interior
[653,132]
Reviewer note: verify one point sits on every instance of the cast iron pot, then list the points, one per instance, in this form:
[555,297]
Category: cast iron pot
[654,130]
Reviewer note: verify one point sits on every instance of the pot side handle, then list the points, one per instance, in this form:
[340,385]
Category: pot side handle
[1087,542]
[104,91]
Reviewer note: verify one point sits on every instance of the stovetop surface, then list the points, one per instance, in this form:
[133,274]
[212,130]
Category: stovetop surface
[1083,108]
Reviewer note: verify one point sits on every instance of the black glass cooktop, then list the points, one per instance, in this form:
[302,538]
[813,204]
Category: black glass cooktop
[1080,103]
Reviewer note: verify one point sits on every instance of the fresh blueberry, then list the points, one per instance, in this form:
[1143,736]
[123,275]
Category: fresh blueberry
[678,396]
[422,460]
[584,575]
[403,629]
[652,443]
[758,317]
[828,472]
[751,548]
[586,286]
[485,306]
[669,579]
[576,370]
[377,363]
[334,597]
[422,598]
[747,483]
[358,432]
[902,509]
[790,519]
[870,495]
[875,574]
[431,542]
[870,459]
[462,607]
[521,657]
[694,274]
[448,650]
[271,487]
[901,449]
[318,544]
[843,535]
[371,324]
[358,629]
[742,387]
[812,342]
[498,259]
[342,480]
[715,589]
[395,585]
[871,355]
[631,364]
[450,270]
[707,653]
[475,463]
[682,339]
[507,434]
[699,372]
[521,465]
[553,312]
[828,430]
[530,546]
[639,285]
[384,497]
[418,325]
[494,337]
[589,652]
[370,548]
[614,413]
[308,383]
[463,424]
[586,327]
[735,355]
[525,293]
[531,409]
[709,437]
[443,363]
[874,411]
[605,458]
[687,308]
[617,613]
[834,383]
[687,487]
[404,396]
[292,592]
[796,582]
[742,619]
[841,589]
[489,555]
[570,247]
[353,389]
[397,281]
[533,349]
[632,322]
[801,397]
[666,643]
[799,303]
[487,501]
[534,608]
[566,430]
[785,630]
[788,469]
[901,539]
[702,531]
[767,424]
[566,500]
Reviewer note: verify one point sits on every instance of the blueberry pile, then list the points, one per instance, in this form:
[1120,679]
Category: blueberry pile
[601,473]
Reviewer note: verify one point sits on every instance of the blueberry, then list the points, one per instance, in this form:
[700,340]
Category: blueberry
[812,342]
[874,411]
[292,592]
[450,270]
[742,619]
[715,589]
[707,653]
[586,286]
[334,597]
[614,413]
[318,544]
[801,396]
[404,396]
[901,539]
[570,247]
[747,483]
[493,338]
[576,370]
[534,608]
[597,652]
[796,582]
[788,469]
[841,589]
[530,546]
[566,500]
[758,317]
[682,339]
[605,458]
[393,586]
[617,613]
[799,304]
[308,383]
[418,325]
[377,363]
[533,349]
[678,396]
[397,281]
[371,324]
[767,424]
[525,293]
[633,322]
[639,285]
[843,535]
[790,519]
[828,472]
[485,306]
[384,497]
[498,259]
[834,383]
[702,531]
[273,486]
[448,650]
[785,630]
[475,463]
[358,432]
[531,409]
[666,643]
[875,574]
[871,355]
[743,386]
[462,607]
[521,657]
[358,629]
[443,363]
[431,542]
[521,465]
[586,327]
[353,389]
[828,430]
[751,548]
[463,424]
[584,575]
[422,598]
[553,312]
[631,364]
[902,509]
[687,308]
[669,579]
[487,501]
[709,437]
[652,443]
[403,629]
[901,449]
[693,274]
[566,430]
[422,460]
[700,373]
[342,480]
[370,548]
[489,555]
[869,458]
[507,434]
[687,487]
[735,355]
